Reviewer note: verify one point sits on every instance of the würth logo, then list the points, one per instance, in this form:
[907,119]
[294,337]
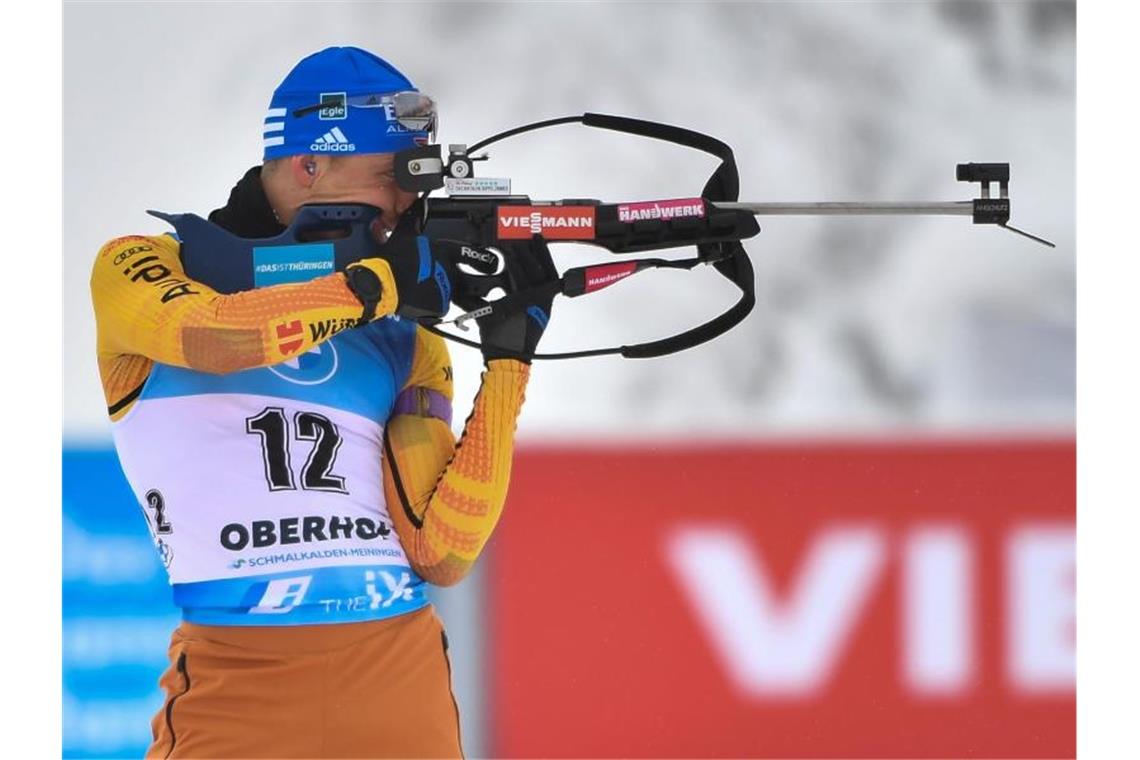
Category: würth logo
[332,141]
[552,222]
[290,337]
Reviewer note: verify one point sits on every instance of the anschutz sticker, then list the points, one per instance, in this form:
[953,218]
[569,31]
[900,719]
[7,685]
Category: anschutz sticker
[477,186]
[552,222]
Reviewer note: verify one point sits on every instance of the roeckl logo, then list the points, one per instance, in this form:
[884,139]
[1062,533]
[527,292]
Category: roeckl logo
[474,253]
[553,222]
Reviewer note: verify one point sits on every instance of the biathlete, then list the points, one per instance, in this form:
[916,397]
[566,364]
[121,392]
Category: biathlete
[292,451]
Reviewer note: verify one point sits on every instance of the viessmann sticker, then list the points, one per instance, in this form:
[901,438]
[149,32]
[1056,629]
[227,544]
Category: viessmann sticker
[552,222]
[679,208]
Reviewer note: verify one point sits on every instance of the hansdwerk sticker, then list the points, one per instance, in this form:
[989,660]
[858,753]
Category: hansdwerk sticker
[552,222]
[679,208]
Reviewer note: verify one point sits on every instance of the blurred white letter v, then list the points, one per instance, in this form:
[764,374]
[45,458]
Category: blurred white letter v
[770,647]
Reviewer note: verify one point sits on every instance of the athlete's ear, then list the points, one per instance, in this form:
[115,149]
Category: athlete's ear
[305,168]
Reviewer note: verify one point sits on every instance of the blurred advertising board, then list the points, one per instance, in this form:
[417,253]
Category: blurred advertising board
[118,615]
[117,611]
[863,599]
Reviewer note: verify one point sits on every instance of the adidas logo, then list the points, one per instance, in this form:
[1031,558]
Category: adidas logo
[332,141]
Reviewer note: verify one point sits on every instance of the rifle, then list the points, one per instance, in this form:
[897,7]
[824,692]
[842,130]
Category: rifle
[489,226]
[493,225]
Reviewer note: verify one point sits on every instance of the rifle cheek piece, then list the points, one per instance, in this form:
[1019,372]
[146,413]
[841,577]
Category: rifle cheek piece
[322,238]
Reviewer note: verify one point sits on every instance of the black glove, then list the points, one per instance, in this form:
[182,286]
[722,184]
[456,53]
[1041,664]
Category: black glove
[423,278]
[516,335]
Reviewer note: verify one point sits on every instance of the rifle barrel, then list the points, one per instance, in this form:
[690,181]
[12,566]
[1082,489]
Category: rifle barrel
[826,208]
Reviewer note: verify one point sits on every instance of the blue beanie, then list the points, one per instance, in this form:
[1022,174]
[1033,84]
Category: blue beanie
[336,77]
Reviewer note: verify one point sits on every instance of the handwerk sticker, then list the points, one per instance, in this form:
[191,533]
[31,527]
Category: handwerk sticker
[604,275]
[679,208]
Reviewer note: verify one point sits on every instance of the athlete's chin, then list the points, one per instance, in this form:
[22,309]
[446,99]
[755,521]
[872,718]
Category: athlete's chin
[380,230]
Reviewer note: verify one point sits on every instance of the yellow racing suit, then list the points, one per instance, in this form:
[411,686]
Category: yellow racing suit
[301,482]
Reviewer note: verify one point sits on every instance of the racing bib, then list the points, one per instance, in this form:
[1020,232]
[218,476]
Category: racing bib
[263,489]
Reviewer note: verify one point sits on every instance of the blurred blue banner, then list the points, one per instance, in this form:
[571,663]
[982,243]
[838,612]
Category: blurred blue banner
[118,615]
[117,611]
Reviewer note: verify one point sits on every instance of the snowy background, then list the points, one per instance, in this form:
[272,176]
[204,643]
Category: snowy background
[864,327]
[862,324]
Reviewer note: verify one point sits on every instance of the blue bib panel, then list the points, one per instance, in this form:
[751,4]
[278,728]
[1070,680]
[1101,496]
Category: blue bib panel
[264,488]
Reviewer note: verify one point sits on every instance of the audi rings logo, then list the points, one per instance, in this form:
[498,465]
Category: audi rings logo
[313,367]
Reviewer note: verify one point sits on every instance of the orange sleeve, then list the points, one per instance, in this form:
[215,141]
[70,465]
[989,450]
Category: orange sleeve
[431,365]
[146,306]
[446,498]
